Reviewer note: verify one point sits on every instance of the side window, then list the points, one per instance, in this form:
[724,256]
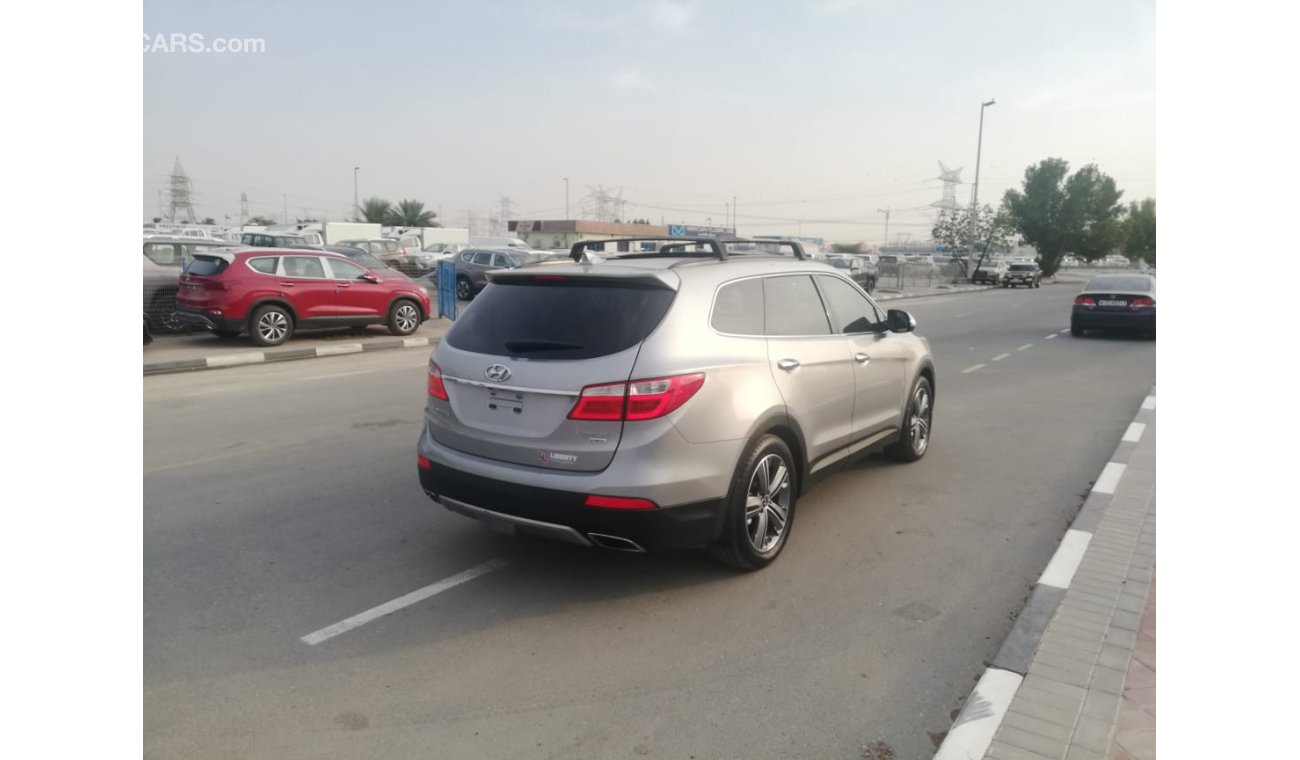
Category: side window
[738,308]
[390,246]
[467,257]
[502,260]
[791,306]
[345,270]
[483,259]
[850,310]
[265,265]
[303,266]
[161,253]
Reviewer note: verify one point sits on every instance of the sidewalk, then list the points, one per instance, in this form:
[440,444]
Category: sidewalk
[1075,679]
[203,350]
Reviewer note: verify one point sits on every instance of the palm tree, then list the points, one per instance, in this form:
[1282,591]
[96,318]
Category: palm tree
[410,213]
[375,211]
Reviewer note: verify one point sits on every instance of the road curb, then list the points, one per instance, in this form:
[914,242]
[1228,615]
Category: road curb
[982,714]
[945,292]
[243,359]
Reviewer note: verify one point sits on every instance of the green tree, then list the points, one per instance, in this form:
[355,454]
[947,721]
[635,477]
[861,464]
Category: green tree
[411,213]
[375,211]
[846,247]
[261,221]
[1140,231]
[1056,214]
[1094,214]
[208,220]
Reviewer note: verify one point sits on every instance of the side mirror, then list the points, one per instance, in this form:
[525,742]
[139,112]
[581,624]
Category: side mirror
[900,321]
[368,277]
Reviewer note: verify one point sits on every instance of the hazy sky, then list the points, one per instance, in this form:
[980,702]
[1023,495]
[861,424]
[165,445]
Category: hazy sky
[821,110]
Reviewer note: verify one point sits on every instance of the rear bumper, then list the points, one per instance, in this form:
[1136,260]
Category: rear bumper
[206,320]
[1129,320]
[561,515]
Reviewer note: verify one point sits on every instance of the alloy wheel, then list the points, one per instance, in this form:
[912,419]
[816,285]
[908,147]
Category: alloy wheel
[273,326]
[767,503]
[920,421]
[406,318]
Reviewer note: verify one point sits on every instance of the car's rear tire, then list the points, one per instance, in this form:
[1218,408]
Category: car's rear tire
[464,288]
[271,325]
[760,506]
[914,435]
[1075,330]
[403,317]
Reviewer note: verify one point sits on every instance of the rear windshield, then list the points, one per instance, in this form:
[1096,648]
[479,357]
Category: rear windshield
[1140,284]
[206,266]
[1023,267]
[569,320]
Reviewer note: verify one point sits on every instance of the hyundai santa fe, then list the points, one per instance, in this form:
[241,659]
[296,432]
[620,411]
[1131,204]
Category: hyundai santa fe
[684,397]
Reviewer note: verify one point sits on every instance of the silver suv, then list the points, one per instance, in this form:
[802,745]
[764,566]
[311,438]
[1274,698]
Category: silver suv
[678,398]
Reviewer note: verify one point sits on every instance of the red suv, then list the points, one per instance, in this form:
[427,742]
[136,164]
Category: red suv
[271,292]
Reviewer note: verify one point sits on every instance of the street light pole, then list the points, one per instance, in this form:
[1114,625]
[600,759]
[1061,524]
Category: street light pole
[566,198]
[885,211]
[356,201]
[975,190]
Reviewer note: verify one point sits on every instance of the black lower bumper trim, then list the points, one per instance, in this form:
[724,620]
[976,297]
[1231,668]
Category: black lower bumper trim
[554,512]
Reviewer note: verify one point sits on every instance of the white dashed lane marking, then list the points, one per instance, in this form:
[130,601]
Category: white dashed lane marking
[1022,348]
[1000,357]
[419,595]
[972,369]
[1049,337]
[1066,330]
[1134,432]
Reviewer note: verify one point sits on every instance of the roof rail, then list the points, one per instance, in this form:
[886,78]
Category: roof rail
[676,246]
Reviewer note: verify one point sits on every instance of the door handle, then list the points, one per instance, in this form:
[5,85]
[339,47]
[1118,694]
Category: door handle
[345,284]
[788,365]
[286,284]
[861,358]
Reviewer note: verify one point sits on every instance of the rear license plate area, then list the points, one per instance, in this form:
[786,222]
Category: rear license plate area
[506,402]
[1112,302]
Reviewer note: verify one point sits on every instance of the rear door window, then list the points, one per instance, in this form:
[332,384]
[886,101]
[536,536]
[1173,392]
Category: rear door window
[303,266]
[791,306]
[738,308]
[560,320]
[162,253]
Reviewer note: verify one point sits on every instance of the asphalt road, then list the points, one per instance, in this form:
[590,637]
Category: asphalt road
[281,499]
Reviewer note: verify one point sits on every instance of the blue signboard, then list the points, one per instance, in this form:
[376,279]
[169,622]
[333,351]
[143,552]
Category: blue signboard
[677,230]
[447,289]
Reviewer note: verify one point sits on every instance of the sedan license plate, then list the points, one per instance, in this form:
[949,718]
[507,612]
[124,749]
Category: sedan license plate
[1112,303]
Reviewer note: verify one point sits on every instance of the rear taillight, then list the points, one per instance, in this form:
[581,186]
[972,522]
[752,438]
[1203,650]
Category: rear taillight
[423,462]
[1142,303]
[1085,301]
[436,388]
[618,502]
[214,285]
[637,400]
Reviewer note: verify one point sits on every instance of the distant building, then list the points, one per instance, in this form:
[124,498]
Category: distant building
[563,233]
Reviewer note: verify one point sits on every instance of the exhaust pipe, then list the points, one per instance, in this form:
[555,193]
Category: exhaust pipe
[617,543]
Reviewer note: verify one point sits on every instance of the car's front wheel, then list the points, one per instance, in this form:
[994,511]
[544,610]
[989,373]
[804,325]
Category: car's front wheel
[272,325]
[914,436]
[760,507]
[403,318]
[464,288]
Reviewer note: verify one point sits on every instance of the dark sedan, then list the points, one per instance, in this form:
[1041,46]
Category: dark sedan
[1116,301]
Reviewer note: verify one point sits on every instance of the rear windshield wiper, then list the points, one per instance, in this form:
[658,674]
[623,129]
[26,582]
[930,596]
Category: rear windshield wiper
[525,346]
